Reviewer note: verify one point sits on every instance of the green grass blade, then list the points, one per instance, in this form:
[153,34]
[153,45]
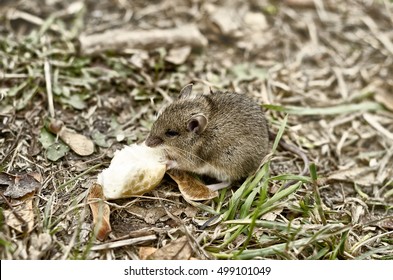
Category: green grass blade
[279,134]
[318,200]
[244,210]
[290,177]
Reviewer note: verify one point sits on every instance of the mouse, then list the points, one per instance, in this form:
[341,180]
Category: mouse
[223,135]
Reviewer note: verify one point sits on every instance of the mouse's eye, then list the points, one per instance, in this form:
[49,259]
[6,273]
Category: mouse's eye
[171,133]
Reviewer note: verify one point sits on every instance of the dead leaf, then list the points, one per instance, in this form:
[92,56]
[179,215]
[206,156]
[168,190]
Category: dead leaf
[190,211]
[36,176]
[272,216]
[39,245]
[100,212]
[386,224]
[178,249]
[19,185]
[385,98]
[255,21]
[190,187]
[154,214]
[21,216]
[6,179]
[179,55]
[372,220]
[138,59]
[79,143]
[145,252]
[227,19]
[357,212]
[363,176]
[150,216]
[136,210]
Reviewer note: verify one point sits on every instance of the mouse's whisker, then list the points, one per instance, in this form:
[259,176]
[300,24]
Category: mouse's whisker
[188,156]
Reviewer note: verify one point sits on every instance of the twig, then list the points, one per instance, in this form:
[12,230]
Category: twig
[379,35]
[80,175]
[320,10]
[20,143]
[73,8]
[49,88]
[13,14]
[376,125]
[364,242]
[16,14]
[12,76]
[121,243]
[119,39]
[341,83]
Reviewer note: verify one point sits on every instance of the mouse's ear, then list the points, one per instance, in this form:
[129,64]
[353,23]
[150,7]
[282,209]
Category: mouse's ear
[197,124]
[186,91]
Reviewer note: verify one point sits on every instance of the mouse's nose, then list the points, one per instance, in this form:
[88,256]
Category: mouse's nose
[153,141]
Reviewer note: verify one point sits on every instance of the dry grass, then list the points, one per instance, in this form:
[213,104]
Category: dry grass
[328,64]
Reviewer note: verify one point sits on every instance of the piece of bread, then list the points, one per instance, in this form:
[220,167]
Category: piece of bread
[134,170]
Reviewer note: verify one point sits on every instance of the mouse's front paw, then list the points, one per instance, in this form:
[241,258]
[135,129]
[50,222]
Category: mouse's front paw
[219,186]
[171,164]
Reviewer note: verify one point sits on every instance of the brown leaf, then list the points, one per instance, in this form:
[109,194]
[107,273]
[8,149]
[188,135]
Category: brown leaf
[385,98]
[179,55]
[79,143]
[100,211]
[19,185]
[178,249]
[21,216]
[190,187]
[145,252]
[37,176]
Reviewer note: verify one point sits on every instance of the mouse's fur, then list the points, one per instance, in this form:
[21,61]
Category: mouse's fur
[222,135]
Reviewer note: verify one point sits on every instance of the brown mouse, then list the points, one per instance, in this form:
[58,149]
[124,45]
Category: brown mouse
[222,135]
